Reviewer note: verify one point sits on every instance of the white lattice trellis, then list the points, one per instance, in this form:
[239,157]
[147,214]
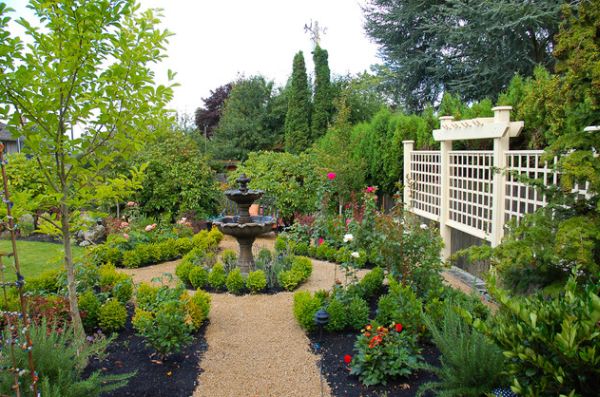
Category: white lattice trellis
[471,195]
[425,183]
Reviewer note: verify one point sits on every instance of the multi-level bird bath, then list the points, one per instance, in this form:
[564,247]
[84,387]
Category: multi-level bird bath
[244,227]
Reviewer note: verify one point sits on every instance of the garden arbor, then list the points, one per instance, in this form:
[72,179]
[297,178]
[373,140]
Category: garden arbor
[475,191]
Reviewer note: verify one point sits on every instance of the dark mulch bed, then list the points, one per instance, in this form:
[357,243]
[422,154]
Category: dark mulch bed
[175,376]
[333,348]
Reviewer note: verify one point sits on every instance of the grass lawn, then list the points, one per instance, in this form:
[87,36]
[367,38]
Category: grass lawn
[35,257]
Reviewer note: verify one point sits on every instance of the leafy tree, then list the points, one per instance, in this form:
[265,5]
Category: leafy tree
[86,66]
[364,95]
[178,178]
[461,46]
[290,179]
[297,119]
[246,124]
[323,100]
[207,117]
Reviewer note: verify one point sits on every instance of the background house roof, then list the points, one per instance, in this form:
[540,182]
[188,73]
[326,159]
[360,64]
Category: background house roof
[4,134]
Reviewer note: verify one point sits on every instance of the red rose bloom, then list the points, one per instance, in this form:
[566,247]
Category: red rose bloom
[398,327]
[347,358]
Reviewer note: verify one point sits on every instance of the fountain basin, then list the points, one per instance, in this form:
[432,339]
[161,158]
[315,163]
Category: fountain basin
[256,226]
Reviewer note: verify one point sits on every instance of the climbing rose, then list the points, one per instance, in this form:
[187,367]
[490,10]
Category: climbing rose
[331,176]
[347,358]
[126,236]
[124,224]
[321,240]
[355,254]
[370,189]
[150,227]
[348,221]
[348,237]
[398,327]
[132,204]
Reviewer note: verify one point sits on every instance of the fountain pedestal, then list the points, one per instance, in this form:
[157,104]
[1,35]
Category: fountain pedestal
[244,227]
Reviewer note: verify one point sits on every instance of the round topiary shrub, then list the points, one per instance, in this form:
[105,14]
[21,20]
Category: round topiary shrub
[198,277]
[303,265]
[199,307]
[358,313]
[217,277]
[337,316]
[146,296]
[372,283]
[112,316]
[89,307]
[235,282]
[183,271]
[257,281]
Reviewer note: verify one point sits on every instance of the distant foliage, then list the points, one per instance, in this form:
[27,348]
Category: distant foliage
[207,117]
[178,178]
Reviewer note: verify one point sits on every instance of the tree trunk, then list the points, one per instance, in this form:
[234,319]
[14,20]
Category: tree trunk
[73,304]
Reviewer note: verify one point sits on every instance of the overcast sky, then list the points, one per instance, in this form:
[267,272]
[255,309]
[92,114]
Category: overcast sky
[216,41]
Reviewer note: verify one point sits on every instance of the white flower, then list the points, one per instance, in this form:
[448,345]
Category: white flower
[424,226]
[355,254]
[348,237]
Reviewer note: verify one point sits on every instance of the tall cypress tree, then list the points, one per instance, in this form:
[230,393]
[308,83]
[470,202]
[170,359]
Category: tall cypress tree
[323,101]
[297,119]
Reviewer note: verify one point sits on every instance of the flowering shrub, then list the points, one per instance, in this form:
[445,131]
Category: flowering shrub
[383,353]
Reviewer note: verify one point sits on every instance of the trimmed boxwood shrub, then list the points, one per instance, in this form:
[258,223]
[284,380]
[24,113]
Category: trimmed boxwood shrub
[183,271]
[290,279]
[358,313]
[198,277]
[89,307]
[337,316]
[235,282]
[256,282]
[372,283]
[217,277]
[303,265]
[305,308]
[112,316]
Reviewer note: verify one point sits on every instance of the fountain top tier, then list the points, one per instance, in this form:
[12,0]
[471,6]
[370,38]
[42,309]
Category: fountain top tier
[243,197]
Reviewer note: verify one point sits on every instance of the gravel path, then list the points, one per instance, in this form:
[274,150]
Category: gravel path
[255,346]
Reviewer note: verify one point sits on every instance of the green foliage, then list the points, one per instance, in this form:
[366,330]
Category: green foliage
[256,282]
[302,265]
[455,58]
[178,178]
[471,363]
[112,316]
[372,283]
[323,98]
[297,119]
[48,281]
[123,290]
[167,331]
[305,308]
[217,278]
[229,258]
[249,121]
[69,77]
[199,307]
[337,316]
[358,312]
[60,361]
[182,270]
[401,305]
[198,277]
[89,306]
[289,179]
[146,295]
[551,344]
[383,354]
[235,282]
[290,279]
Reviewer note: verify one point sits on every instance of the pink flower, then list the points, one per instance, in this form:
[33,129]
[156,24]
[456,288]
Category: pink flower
[150,227]
[132,204]
[370,189]
[321,240]
[126,236]
[331,176]
[124,224]
[348,221]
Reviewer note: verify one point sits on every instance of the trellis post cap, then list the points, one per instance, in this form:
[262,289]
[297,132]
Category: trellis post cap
[592,128]
[444,118]
[405,142]
[496,108]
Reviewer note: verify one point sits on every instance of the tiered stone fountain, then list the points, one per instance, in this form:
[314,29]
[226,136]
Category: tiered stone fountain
[244,227]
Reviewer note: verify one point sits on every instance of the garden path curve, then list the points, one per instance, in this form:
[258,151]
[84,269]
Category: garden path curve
[255,346]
